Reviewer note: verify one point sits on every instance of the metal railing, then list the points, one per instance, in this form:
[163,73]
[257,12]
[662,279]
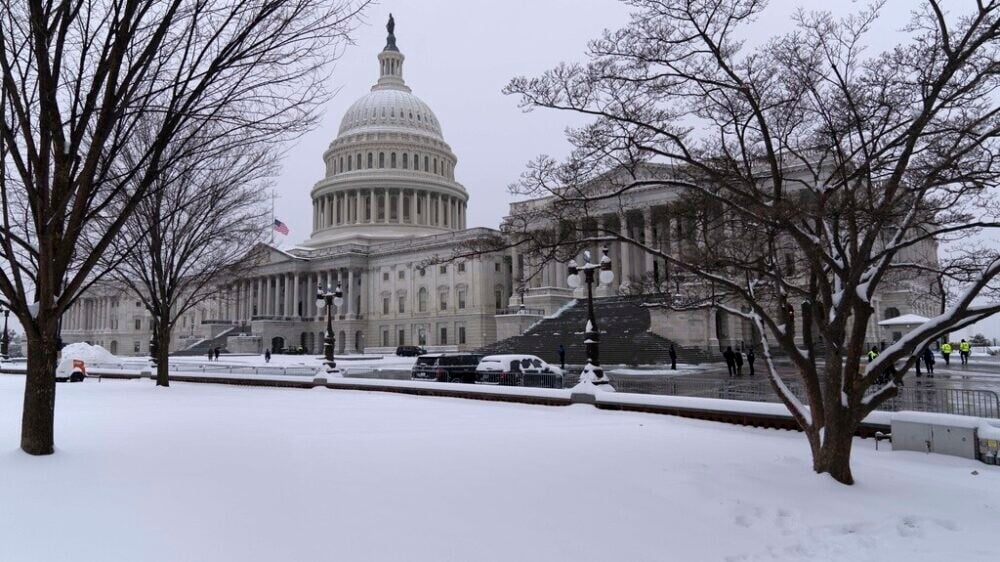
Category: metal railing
[518,310]
[534,380]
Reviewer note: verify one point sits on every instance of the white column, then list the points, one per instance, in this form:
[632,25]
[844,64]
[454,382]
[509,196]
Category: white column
[647,218]
[295,295]
[349,294]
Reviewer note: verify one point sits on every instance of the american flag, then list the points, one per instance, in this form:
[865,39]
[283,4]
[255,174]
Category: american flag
[281,227]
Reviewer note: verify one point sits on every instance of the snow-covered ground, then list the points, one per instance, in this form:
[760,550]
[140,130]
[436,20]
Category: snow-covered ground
[219,473]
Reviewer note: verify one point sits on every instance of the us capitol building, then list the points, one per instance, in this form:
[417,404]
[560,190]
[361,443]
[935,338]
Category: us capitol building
[389,203]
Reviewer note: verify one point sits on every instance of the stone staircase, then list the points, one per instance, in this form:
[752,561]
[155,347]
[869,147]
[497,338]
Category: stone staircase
[625,336]
[201,348]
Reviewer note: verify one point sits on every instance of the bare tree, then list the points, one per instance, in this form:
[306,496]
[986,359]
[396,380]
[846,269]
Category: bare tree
[807,176]
[97,98]
[198,227]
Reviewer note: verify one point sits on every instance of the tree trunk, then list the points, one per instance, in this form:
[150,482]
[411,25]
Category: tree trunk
[38,416]
[163,358]
[834,454]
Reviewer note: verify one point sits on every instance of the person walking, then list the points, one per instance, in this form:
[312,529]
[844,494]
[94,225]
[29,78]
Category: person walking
[871,357]
[673,358]
[739,362]
[562,357]
[964,349]
[267,355]
[730,358]
[216,353]
[750,359]
[946,353]
[209,354]
[928,357]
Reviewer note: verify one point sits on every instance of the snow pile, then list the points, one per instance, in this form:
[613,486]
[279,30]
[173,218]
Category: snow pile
[591,381]
[267,474]
[89,354]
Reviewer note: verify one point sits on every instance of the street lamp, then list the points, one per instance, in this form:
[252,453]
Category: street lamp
[5,339]
[327,299]
[586,273]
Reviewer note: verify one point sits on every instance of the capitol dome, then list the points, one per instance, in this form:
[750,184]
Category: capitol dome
[390,111]
[389,173]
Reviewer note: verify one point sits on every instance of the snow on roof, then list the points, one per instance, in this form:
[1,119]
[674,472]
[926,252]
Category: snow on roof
[904,320]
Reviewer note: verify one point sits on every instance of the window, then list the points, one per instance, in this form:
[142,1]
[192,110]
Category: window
[422,300]
[427,165]
[496,267]
[392,160]
[358,161]
[402,274]
[385,305]
[370,159]
[385,275]
[416,162]
[444,337]
[461,267]
[385,338]
[443,269]
[402,304]
[402,338]
[444,301]
[138,304]
[136,347]
[498,296]
[138,324]
[461,298]
[461,335]
[341,169]
[381,160]
[406,160]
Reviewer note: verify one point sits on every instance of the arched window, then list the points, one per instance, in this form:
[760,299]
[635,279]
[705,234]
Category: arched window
[341,170]
[422,299]
[891,312]
[349,163]
[427,165]
[435,165]
[357,163]
[381,160]
[392,160]
[406,160]
[371,158]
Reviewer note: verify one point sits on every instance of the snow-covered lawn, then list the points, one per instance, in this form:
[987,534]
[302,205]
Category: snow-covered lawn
[366,361]
[203,472]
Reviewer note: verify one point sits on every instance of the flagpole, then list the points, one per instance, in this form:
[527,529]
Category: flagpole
[272,217]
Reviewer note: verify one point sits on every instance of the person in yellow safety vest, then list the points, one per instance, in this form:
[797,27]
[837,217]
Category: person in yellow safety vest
[872,354]
[964,348]
[946,352]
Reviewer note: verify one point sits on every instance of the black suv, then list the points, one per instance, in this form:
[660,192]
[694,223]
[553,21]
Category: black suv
[410,351]
[450,367]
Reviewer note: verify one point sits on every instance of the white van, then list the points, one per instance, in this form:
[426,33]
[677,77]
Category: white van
[518,370]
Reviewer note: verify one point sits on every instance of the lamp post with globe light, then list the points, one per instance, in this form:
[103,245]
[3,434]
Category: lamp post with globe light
[586,273]
[5,339]
[328,299]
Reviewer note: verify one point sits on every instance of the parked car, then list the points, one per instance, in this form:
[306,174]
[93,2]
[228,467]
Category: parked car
[446,367]
[518,370]
[410,351]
